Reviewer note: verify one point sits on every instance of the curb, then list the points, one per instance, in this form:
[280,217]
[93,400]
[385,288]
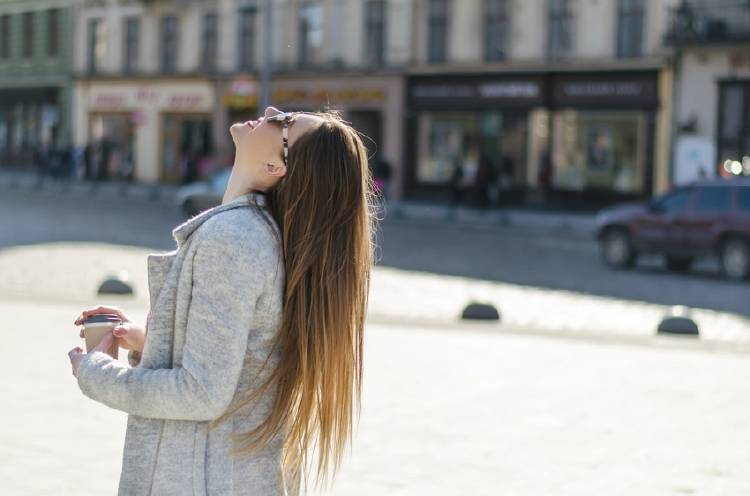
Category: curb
[136,191]
[580,226]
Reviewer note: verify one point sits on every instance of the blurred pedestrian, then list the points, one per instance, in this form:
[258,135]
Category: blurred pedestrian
[544,175]
[381,174]
[485,179]
[456,182]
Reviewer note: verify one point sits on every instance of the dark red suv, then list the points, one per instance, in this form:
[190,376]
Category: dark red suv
[704,218]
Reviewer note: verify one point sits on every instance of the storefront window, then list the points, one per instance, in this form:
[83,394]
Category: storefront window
[451,140]
[599,150]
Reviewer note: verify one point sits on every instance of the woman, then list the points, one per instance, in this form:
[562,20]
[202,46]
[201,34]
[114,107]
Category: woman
[254,344]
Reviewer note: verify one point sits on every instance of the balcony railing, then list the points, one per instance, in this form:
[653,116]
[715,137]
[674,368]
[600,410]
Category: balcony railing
[709,22]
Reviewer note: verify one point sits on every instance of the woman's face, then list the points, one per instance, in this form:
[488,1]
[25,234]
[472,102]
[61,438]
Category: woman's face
[259,143]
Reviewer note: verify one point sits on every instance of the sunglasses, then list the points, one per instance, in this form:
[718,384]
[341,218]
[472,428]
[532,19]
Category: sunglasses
[285,119]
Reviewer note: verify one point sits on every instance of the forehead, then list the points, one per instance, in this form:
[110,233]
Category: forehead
[302,124]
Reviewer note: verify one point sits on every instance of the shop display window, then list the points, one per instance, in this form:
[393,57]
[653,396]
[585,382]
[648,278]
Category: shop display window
[451,140]
[599,150]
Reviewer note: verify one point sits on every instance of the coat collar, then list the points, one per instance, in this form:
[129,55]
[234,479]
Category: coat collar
[181,232]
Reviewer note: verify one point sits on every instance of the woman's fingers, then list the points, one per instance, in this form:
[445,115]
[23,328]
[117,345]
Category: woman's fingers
[100,309]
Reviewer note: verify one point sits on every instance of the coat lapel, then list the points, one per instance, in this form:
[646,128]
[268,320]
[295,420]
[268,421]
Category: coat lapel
[159,264]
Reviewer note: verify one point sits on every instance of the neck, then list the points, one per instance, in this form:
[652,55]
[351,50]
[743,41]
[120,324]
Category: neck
[240,183]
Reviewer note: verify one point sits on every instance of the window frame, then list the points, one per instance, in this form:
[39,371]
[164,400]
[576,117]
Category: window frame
[438,17]
[379,60]
[27,34]
[560,12]
[501,19]
[94,28]
[5,36]
[209,41]
[131,58]
[53,32]
[246,51]
[306,55]
[629,11]
[169,62]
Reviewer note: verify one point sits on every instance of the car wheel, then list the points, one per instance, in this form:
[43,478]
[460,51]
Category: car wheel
[617,248]
[735,258]
[679,264]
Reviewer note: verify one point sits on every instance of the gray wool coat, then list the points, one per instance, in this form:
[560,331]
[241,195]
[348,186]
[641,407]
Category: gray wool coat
[216,302]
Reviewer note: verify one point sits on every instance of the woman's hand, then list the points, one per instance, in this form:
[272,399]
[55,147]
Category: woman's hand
[97,311]
[129,335]
[76,354]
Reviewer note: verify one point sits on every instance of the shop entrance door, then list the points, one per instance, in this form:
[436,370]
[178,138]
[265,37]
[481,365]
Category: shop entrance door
[187,145]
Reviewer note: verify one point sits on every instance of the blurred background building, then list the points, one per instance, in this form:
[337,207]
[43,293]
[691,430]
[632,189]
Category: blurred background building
[35,79]
[711,43]
[553,103]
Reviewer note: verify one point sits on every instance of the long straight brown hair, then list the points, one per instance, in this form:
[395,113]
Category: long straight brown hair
[324,207]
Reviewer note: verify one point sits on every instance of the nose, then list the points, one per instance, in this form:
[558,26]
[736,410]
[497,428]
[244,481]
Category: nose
[271,111]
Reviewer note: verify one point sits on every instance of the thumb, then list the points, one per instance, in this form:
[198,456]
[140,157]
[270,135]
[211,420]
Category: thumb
[120,331]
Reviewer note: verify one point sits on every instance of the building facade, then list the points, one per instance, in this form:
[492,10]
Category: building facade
[568,101]
[35,79]
[145,98]
[160,82]
[711,42]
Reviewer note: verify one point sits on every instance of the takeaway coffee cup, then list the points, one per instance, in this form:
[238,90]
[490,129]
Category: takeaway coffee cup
[95,327]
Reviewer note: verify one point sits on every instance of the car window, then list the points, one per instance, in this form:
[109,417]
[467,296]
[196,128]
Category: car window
[743,199]
[713,199]
[675,202]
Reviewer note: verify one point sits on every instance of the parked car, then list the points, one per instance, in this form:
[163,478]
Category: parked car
[198,196]
[705,218]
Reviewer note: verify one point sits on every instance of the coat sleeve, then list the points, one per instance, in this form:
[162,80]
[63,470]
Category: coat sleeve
[229,276]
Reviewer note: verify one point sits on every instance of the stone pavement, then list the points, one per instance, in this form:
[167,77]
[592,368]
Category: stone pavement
[456,411]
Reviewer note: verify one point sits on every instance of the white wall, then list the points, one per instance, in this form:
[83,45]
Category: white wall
[699,92]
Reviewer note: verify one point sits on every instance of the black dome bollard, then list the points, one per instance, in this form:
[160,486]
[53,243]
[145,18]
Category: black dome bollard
[480,311]
[678,321]
[116,285]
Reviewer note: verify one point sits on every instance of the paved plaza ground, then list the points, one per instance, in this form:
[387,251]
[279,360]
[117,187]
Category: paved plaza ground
[467,410]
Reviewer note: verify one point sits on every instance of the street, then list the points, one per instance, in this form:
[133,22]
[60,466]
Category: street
[514,256]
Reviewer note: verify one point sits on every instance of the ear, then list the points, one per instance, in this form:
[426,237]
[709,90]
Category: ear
[276,170]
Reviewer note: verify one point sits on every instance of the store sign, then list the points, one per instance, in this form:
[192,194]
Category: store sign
[323,96]
[523,91]
[242,87]
[129,98]
[579,89]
